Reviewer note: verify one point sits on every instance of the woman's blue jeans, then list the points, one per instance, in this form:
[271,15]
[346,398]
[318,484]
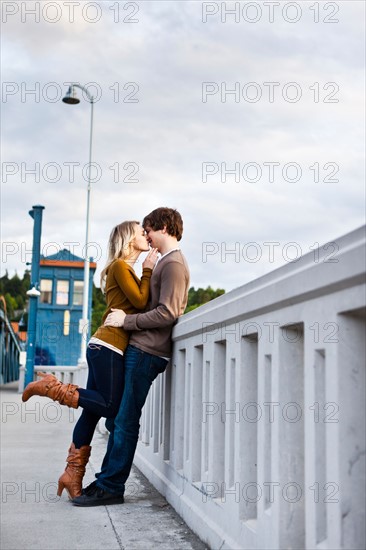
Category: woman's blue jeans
[103,392]
[140,370]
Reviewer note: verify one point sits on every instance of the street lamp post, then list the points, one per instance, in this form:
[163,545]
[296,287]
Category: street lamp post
[72,99]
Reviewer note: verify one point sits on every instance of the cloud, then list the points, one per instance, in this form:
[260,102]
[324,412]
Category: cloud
[164,138]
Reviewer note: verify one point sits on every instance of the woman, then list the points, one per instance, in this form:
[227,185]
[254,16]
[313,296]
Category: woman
[104,389]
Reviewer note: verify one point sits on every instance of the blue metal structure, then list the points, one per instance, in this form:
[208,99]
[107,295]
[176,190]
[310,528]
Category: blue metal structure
[58,340]
[36,214]
[9,351]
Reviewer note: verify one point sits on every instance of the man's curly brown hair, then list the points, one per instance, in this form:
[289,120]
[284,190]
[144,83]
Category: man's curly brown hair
[165,217]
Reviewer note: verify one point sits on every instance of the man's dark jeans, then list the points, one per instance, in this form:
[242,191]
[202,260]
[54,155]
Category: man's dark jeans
[141,369]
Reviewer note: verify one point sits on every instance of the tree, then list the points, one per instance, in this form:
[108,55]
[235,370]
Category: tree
[26,281]
[14,290]
[14,286]
[201,296]
[11,305]
[98,308]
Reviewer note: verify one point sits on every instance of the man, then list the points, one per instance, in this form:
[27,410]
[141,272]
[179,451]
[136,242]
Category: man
[146,356]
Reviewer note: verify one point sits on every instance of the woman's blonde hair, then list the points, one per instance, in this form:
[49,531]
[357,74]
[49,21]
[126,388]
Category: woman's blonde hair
[119,246]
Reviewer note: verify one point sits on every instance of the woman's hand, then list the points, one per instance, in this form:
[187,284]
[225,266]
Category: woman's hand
[150,259]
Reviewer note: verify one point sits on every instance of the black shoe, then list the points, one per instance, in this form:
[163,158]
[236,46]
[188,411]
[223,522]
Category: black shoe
[90,489]
[97,497]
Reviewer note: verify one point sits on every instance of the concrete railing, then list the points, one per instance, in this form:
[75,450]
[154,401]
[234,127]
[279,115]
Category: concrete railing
[256,432]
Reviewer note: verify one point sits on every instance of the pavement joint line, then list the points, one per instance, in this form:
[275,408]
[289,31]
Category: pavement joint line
[118,538]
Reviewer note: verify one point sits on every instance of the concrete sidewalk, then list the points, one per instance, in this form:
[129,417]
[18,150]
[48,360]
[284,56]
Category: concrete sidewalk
[35,437]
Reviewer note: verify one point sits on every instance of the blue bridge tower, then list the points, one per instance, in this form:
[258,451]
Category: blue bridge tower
[58,340]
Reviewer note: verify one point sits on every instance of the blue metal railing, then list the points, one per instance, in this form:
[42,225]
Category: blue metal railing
[9,351]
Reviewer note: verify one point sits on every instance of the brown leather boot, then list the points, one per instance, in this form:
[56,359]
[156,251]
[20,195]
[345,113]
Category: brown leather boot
[72,478]
[50,386]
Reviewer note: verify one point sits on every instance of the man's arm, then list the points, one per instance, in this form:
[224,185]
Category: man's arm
[115,319]
[172,295]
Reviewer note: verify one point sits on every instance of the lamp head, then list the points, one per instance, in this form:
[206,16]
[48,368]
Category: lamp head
[33,292]
[70,97]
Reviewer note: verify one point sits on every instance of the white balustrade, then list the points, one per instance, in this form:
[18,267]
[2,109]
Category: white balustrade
[256,431]
[66,374]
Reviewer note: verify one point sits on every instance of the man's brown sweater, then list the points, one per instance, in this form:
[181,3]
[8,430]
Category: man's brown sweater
[169,286]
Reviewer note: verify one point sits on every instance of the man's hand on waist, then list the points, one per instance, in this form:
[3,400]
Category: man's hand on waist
[115,319]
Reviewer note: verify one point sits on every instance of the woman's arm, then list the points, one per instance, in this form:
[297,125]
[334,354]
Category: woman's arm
[137,293]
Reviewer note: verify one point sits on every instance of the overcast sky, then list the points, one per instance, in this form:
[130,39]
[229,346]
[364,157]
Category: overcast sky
[166,127]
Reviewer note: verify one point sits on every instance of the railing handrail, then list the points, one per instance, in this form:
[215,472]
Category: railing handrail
[252,299]
[4,318]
